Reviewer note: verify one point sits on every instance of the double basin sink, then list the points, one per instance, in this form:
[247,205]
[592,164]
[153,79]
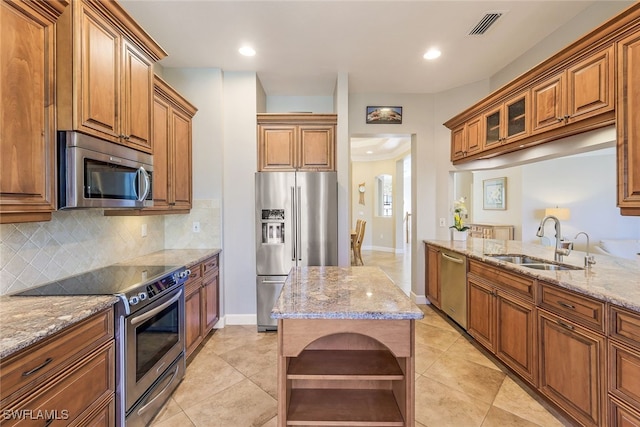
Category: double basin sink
[531,262]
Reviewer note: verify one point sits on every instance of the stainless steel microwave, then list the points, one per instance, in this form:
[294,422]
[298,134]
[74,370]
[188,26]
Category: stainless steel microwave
[93,173]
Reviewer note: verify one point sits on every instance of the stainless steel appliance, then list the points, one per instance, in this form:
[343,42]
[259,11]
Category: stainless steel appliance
[296,225]
[93,173]
[453,286]
[149,329]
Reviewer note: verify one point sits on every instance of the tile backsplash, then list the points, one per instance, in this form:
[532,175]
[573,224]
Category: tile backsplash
[75,241]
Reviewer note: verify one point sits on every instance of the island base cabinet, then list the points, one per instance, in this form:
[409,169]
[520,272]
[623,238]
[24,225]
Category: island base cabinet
[572,368]
[346,372]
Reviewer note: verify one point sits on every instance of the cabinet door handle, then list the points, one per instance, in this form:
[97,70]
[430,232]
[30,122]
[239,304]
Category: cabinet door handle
[566,305]
[37,368]
[564,325]
[49,422]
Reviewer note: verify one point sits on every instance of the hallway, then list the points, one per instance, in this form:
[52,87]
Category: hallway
[231,381]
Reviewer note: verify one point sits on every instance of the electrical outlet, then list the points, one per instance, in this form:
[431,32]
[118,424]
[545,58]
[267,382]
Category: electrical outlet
[196,227]
[143,230]
[443,222]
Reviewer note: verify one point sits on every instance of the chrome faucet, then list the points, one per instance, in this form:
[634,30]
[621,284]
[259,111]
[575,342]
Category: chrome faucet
[562,247]
[589,260]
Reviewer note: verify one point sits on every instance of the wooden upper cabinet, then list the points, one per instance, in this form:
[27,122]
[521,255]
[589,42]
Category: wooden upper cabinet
[628,124]
[28,132]
[467,139]
[585,89]
[548,103]
[591,86]
[508,122]
[277,147]
[172,154]
[288,142]
[105,74]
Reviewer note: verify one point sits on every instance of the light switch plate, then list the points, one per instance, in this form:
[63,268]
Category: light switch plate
[443,222]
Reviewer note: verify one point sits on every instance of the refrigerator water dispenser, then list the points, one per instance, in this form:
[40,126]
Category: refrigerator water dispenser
[272,226]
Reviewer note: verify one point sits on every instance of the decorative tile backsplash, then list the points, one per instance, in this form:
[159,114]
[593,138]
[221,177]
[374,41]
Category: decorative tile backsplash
[75,241]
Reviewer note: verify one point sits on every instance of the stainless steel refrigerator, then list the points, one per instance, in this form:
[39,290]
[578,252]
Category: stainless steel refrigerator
[296,225]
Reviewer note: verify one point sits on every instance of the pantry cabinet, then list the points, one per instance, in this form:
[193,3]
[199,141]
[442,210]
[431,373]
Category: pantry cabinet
[105,74]
[69,377]
[28,131]
[202,307]
[627,125]
[289,142]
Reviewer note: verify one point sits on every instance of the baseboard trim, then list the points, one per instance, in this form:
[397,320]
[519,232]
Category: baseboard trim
[239,319]
[419,299]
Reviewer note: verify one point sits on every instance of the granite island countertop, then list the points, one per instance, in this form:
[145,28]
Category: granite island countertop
[27,320]
[343,293]
[611,279]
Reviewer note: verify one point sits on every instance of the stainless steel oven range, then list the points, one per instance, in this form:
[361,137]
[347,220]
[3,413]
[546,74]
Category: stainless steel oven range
[150,331]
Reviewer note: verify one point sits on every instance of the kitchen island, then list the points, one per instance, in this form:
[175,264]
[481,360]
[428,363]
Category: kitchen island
[345,348]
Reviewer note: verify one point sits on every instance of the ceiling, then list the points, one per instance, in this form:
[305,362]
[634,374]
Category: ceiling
[302,45]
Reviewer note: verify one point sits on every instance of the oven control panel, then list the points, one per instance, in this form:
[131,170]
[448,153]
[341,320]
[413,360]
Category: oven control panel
[158,287]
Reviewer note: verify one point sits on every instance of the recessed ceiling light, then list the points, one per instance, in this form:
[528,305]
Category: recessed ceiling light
[369,152]
[432,53]
[247,51]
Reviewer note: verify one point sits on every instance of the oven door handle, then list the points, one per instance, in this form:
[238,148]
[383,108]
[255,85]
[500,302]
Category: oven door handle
[148,315]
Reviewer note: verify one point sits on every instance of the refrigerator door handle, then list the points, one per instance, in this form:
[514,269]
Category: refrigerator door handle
[294,238]
[299,224]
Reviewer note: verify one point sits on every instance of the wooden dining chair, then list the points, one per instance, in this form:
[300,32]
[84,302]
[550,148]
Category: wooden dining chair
[357,244]
[354,236]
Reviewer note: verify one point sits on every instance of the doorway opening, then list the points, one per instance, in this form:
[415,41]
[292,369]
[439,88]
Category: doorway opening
[381,196]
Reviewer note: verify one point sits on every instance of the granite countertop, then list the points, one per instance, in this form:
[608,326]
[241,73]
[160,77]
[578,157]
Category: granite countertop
[611,279]
[342,293]
[27,320]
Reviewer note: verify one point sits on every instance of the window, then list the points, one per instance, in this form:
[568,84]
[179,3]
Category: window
[384,193]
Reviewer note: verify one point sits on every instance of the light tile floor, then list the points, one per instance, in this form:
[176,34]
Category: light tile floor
[231,381]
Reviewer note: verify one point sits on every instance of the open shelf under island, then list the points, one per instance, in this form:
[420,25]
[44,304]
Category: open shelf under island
[345,349]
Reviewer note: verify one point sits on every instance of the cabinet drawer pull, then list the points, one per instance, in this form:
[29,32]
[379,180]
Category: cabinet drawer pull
[37,368]
[566,305]
[564,325]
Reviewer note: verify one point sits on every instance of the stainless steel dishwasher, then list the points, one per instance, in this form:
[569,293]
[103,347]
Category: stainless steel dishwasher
[453,286]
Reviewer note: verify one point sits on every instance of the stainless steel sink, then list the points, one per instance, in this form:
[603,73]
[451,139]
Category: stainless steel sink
[532,262]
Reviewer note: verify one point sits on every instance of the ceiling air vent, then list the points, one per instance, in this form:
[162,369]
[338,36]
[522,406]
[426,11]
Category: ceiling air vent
[485,23]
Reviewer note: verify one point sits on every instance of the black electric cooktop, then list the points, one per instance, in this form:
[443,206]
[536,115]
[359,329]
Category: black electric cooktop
[111,280]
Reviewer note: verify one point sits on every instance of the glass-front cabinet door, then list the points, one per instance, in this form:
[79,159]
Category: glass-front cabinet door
[492,126]
[508,122]
[517,112]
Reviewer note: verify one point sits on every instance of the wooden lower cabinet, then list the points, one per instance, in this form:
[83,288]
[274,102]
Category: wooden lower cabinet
[572,367]
[68,379]
[621,415]
[343,372]
[202,308]
[433,275]
[504,324]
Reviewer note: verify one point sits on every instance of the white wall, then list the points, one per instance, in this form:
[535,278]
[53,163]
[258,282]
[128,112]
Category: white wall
[300,104]
[586,21]
[240,160]
[515,193]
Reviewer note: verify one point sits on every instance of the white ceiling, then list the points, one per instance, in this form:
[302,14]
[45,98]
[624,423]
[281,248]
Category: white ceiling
[302,45]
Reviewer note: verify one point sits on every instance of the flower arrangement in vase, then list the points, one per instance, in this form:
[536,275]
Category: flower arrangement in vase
[459,213]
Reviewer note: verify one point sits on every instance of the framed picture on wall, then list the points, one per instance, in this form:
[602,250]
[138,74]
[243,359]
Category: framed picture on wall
[381,115]
[494,194]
